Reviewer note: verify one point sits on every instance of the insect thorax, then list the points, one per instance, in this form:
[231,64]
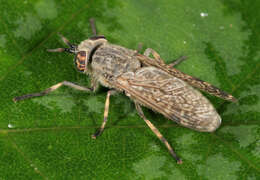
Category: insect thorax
[109,61]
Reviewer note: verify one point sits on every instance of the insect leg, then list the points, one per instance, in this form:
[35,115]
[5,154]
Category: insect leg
[139,47]
[99,132]
[157,133]
[178,61]
[156,56]
[52,88]
[93,26]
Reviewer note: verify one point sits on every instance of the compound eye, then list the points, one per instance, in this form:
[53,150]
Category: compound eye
[80,61]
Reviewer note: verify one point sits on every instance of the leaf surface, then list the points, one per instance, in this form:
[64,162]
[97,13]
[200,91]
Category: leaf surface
[50,137]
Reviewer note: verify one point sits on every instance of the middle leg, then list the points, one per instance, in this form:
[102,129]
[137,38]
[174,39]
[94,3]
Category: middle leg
[101,129]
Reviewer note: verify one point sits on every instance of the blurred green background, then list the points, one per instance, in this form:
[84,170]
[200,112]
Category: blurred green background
[50,137]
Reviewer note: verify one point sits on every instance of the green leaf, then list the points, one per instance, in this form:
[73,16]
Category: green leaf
[50,137]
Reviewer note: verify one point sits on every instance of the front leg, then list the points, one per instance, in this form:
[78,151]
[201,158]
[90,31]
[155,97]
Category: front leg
[51,89]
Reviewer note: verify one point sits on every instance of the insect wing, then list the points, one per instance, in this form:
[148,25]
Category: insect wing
[193,81]
[170,96]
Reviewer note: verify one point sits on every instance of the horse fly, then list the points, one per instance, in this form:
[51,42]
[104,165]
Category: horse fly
[147,81]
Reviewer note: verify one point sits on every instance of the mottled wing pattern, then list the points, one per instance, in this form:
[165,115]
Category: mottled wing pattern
[193,81]
[171,97]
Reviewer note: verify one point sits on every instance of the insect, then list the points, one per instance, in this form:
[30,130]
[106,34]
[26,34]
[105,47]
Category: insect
[147,81]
